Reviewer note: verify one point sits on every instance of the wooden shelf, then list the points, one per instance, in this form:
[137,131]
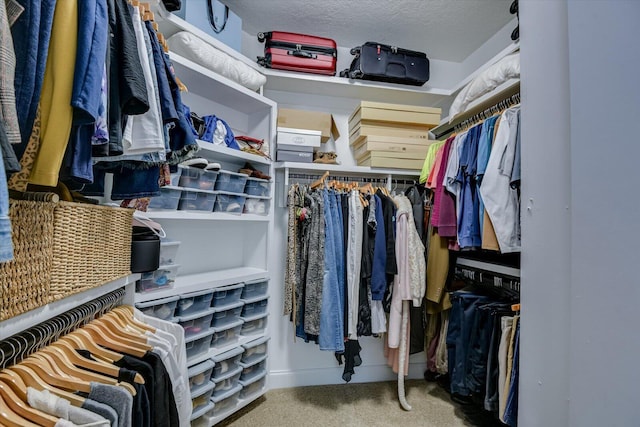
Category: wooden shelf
[222,153]
[210,280]
[344,170]
[31,318]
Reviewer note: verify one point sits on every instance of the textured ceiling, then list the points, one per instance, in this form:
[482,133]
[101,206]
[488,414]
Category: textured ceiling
[445,29]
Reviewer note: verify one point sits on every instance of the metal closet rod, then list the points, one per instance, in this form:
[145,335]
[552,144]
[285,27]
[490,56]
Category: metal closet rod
[361,179]
[22,345]
[491,111]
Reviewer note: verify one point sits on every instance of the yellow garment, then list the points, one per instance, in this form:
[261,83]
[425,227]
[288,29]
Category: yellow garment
[489,239]
[507,383]
[55,100]
[430,160]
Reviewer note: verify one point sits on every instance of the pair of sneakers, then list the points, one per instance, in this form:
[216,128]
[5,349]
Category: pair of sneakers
[200,163]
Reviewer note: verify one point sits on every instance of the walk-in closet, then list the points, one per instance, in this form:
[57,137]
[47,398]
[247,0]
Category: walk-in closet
[282,212]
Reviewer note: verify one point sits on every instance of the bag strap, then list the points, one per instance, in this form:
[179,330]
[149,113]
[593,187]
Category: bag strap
[149,223]
[212,20]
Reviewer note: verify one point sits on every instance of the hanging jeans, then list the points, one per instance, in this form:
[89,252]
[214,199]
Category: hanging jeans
[462,318]
[511,409]
[331,315]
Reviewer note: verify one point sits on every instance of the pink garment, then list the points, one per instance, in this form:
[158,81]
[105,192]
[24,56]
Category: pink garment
[431,351]
[444,208]
[401,282]
[393,354]
[433,174]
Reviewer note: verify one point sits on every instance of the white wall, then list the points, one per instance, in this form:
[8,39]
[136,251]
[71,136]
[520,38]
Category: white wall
[580,297]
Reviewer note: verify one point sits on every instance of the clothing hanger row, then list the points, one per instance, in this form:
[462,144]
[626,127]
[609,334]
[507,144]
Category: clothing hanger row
[489,112]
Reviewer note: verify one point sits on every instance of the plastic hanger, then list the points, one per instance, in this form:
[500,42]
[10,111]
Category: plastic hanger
[20,407]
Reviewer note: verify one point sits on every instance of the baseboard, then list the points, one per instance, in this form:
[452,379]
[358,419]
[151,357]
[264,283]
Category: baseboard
[324,376]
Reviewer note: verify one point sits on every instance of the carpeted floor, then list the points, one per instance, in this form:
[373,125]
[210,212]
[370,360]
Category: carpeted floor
[372,404]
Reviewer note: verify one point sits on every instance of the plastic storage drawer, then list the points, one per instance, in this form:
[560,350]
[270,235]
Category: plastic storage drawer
[257,187]
[229,203]
[226,335]
[168,252]
[254,325]
[199,376]
[199,179]
[225,402]
[227,382]
[254,350]
[255,306]
[163,309]
[196,200]
[167,200]
[253,371]
[255,289]
[227,315]
[226,362]
[257,205]
[196,323]
[200,418]
[251,389]
[201,399]
[226,296]
[231,181]
[194,302]
[198,345]
[162,278]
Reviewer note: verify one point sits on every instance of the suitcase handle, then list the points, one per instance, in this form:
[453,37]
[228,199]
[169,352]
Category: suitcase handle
[301,54]
[212,20]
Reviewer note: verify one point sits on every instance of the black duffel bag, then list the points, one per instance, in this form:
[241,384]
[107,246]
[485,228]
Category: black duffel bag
[384,63]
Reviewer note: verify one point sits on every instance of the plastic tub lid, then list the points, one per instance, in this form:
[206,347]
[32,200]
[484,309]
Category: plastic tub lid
[195,315]
[228,287]
[168,267]
[200,412]
[255,299]
[196,293]
[233,173]
[226,394]
[229,193]
[253,178]
[200,335]
[253,380]
[255,362]
[256,342]
[228,307]
[171,187]
[251,282]
[165,242]
[254,317]
[258,197]
[229,326]
[197,190]
[203,390]
[227,375]
[157,302]
[228,354]
[200,368]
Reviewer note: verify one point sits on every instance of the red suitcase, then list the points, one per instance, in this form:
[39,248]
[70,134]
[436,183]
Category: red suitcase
[298,52]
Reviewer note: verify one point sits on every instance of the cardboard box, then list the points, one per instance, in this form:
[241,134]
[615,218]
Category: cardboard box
[298,139]
[375,161]
[409,148]
[300,119]
[362,131]
[382,112]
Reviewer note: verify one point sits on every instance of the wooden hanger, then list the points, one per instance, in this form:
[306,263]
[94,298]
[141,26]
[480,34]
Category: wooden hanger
[20,407]
[43,369]
[15,382]
[119,330]
[81,339]
[32,379]
[122,336]
[10,419]
[106,339]
[320,181]
[125,312]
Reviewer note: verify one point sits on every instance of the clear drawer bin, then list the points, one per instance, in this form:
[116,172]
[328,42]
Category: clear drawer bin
[196,200]
[231,181]
[163,309]
[257,206]
[200,418]
[229,203]
[199,179]
[203,397]
[257,187]
[194,302]
[255,289]
[168,252]
[226,335]
[252,388]
[252,372]
[198,345]
[227,315]
[167,200]
[226,362]
[254,350]
[225,402]
[199,376]
[227,382]
[227,296]
[162,278]
[254,325]
[255,307]
[196,323]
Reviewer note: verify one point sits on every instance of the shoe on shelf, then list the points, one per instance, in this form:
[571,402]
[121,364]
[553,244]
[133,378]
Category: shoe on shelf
[248,169]
[327,158]
[212,167]
[196,162]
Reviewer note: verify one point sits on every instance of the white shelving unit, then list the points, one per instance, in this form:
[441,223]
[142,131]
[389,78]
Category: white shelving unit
[229,154]
[31,318]
[199,216]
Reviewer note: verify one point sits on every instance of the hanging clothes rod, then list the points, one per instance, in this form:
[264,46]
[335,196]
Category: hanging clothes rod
[19,346]
[491,111]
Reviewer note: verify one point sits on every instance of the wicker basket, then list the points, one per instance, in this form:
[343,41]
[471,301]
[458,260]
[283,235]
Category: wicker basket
[24,282]
[91,246]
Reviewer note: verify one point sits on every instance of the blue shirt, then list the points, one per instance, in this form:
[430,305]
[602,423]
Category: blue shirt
[469,232]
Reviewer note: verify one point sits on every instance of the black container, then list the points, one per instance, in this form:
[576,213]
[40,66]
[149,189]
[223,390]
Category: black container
[145,250]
